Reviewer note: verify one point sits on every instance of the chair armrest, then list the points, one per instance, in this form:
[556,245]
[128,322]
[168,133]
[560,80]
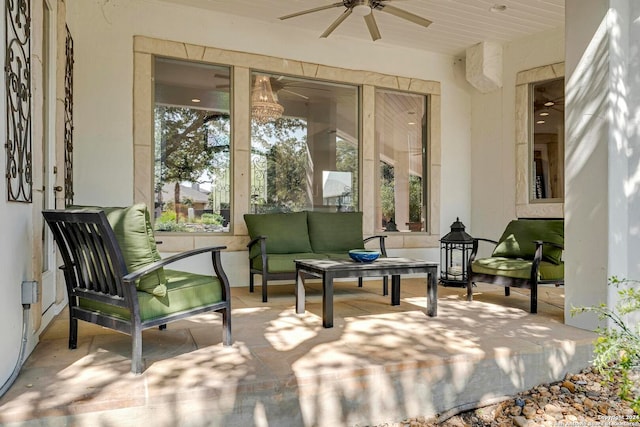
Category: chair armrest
[132,277]
[480,239]
[256,240]
[537,258]
[262,240]
[542,242]
[381,238]
[474,251]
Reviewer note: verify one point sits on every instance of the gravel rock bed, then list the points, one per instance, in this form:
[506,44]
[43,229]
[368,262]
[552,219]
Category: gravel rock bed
[584,399]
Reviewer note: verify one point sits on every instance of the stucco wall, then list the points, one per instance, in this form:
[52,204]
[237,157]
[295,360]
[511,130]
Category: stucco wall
[493,143]
[633,130]
[602,206]
[18,252]
[103,34]
[15,265]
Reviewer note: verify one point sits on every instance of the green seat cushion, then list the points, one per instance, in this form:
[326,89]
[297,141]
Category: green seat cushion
[185,291]
[286,232]
[517,268]
[335,231]
[283,263]
[134,233]
[517,240]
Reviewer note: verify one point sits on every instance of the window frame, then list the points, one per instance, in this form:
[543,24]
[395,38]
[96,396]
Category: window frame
[525,206]
[229,69]
[425,166]
[242,63]
[357,121]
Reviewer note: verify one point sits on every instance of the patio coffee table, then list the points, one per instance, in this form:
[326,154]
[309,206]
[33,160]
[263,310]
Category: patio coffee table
[329,269]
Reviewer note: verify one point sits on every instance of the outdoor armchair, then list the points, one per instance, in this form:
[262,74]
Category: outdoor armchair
[528,254]
[115,277]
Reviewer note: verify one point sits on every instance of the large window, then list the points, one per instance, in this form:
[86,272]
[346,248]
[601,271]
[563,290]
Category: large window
[401,149]
[304,145]
[192,147]
[317,148]
[547,140]
[539,142]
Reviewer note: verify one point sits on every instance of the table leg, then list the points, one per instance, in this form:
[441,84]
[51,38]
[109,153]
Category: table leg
[299,292]
[432,293]
[395,289]
[327,300]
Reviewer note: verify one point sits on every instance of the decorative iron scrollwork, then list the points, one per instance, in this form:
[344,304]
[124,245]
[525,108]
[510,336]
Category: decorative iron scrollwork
[68,122]
[17,69]
[259,182]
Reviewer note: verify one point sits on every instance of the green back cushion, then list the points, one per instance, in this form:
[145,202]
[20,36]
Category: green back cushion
[134,233]
[335,232]
[285,232]
[517,241]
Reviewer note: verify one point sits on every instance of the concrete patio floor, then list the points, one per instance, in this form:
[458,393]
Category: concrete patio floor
[379,363]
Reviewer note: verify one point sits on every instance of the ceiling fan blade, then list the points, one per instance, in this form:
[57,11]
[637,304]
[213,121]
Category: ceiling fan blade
[405,15]
[335,24]
[295,93]
[372,26]
[316,9]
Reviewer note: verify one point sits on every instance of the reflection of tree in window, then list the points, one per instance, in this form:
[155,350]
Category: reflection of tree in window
[280,147]
[193,144]
[415,199]
[401,147]
[307,158]
[346,161]
[387,193]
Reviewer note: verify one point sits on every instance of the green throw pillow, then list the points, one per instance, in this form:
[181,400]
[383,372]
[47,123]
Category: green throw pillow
[517,240]
[335,231]
[286,232]
[134,233]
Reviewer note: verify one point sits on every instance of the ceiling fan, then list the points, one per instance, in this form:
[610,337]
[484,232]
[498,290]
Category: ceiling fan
[543,102]
[279,86]
[365,9]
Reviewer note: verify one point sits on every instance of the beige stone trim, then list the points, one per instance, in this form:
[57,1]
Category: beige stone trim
[144,50]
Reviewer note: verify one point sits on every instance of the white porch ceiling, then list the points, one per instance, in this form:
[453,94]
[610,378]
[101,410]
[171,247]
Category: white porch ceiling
[457,24]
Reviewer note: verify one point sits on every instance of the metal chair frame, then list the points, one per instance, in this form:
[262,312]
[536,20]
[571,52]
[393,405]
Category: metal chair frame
[94,269]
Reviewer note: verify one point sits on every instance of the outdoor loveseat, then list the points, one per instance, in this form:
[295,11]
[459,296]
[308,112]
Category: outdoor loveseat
[277,239]
[115,277]
[528,254]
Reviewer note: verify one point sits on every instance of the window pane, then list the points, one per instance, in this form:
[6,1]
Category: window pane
[192,136]
[304,145]
[547,145]
[400,151]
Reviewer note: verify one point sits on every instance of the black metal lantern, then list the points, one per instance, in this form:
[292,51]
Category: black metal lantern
[455,248]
